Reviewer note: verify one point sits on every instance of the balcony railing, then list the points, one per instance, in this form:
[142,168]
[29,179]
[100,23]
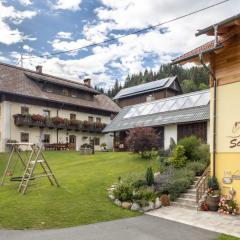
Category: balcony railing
[40,121]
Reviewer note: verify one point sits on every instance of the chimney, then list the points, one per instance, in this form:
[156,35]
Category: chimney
[87,82]
[39,69]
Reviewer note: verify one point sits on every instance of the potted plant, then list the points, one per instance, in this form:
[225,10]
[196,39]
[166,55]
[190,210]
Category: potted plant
[103,147]
[213,194]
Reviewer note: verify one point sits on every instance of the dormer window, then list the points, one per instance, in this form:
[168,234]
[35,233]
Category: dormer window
[48,89]
[65,92]
[73,94]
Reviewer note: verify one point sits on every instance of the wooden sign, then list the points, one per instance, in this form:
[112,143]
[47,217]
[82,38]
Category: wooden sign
[236,177]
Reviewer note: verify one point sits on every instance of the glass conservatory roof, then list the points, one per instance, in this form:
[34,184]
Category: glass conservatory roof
[180,102]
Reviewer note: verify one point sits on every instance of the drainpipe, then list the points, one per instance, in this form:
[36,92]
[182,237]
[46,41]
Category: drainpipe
[214,110]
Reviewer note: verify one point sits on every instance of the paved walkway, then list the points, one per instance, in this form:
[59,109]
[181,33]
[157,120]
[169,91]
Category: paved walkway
[212,221]
[138,228]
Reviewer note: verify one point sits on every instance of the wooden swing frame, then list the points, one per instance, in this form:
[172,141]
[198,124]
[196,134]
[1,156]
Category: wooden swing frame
[29,166]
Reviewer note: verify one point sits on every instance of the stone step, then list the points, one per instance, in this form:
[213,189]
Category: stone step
[191,191]
[182,205]
[188,195]
[187,201]
[192,186]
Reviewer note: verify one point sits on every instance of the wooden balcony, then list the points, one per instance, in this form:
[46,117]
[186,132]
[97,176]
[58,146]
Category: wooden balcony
[21,120]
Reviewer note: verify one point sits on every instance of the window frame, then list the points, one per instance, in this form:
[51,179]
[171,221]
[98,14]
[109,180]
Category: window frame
[21,137]
[90,119]
[44,138]
[46,111]
[96,141]
[24,112]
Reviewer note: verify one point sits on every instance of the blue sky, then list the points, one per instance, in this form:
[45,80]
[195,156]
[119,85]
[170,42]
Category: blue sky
[41,27]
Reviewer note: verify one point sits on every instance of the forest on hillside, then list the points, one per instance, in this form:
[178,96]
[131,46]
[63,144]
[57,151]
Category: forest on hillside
[191,79]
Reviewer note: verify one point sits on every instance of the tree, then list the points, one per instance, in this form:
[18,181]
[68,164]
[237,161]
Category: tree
[142,141]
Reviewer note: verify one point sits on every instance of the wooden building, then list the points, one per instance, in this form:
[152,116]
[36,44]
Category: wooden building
[150,91]
[223,55]
[173,118]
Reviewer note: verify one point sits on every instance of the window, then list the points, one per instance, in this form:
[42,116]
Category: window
[24,110]
[65,92]
[73,94]
[46,113]
[90,119]
[46,138]
[96,141]
[72,116]
[49,89]
[98,120]
[24,137]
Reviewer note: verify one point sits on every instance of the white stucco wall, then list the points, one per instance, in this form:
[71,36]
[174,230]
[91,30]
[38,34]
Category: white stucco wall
[170,131]
[9,130]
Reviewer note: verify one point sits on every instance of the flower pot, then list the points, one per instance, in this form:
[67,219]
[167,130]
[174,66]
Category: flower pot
[212,202]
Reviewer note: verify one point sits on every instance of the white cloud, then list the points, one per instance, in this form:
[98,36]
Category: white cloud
[128,55]
[64,35]
[72,5]
[27,48]
[25,2]
[8,34]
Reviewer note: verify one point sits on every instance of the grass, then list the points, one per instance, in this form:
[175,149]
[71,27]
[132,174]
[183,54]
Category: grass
[82,197]
[227,237]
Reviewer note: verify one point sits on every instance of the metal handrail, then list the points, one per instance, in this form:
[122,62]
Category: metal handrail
[202,184]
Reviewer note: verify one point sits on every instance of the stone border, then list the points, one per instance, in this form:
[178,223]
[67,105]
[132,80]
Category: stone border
[132,205]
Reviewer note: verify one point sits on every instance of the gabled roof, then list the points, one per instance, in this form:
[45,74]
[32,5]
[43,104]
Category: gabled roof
[183,108]
[19,81]
[147,87]
[60,81]
[226,23]
[223,28]
[204,49]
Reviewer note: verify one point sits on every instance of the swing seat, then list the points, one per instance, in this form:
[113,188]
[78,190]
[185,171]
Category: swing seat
[19,179]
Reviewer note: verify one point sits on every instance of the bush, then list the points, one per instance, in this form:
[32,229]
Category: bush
[139,183]
[203,153]
[191,145]
[146,193]
[197,167]
[149,177]
[179,182]
[123,192]
[178,158]
[213,183]
[142,141]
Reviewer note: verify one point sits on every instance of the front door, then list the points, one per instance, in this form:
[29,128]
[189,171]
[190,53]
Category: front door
[72,142]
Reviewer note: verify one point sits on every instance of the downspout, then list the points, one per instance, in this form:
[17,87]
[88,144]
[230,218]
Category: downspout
[214,110]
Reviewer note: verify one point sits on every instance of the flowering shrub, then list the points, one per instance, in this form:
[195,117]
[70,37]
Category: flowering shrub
[74,122]
[227,206]
[57,120]
[38,117]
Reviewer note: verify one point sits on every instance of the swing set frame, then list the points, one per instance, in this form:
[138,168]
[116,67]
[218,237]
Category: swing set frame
[29,166]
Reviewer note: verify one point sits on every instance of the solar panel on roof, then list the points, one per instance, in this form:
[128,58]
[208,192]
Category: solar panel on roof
[144,87]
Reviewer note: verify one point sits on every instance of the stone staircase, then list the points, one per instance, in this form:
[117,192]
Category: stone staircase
[187,199]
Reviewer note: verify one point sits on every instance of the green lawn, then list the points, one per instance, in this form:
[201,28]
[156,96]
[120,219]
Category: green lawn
[227,237]
[82,197]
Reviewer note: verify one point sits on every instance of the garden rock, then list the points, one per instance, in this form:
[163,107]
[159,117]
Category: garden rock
[111,196]
[135,207]
[126,205]
[157,177]
[118,202]
[151,205]
[146,208]
[158,203]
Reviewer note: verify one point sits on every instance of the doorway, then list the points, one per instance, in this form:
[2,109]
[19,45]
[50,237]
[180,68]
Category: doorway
[72,142]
